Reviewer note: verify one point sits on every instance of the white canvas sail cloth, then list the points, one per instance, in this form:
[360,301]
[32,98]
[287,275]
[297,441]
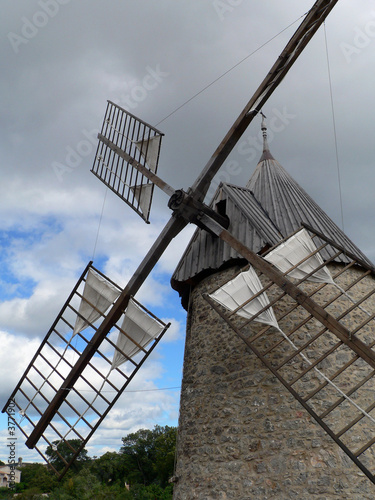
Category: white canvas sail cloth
[295,249]
[239,291]
[141,327]
[149,149]
[98,294]
[143,193]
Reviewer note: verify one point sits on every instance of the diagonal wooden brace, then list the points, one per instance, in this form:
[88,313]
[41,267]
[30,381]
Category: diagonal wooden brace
[359,347]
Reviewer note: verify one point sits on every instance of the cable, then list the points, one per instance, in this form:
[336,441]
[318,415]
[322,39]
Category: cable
[100,222]
[139,390]
[334,129]
[229,70]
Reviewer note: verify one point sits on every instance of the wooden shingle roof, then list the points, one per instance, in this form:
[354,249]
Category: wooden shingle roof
[289,206]
[267,210]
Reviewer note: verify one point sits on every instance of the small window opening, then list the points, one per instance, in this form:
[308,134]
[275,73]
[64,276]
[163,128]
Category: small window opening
[221,207]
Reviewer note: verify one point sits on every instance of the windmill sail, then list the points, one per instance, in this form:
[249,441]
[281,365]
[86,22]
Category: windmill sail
[97,296]
[245,296]
[138,329]
[335,382]
[143,194]
[88,401]
[299,258]
[242,296]
[150,149]
[125,141]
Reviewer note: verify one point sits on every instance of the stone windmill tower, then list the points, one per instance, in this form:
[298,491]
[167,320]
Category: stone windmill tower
[241,433]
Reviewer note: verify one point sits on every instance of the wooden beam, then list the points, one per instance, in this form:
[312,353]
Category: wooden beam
[359,347]
[141,168]
[172,228]
[285,61]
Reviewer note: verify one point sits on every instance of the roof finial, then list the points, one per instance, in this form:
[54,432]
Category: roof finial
[266,149]
[264,130]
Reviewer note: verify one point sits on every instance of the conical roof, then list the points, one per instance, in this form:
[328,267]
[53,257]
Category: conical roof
[271,207]
[289,206]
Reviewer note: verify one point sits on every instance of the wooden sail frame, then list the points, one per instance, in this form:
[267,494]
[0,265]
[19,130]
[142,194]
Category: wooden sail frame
[95,391]
[135,140]
[338,380]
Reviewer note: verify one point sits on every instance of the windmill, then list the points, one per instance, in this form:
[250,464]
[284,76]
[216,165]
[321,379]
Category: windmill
[126,161]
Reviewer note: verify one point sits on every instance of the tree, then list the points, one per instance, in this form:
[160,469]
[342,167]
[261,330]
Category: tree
[165,451]
[37,476]
[148,455]
[109,468]
[64,451]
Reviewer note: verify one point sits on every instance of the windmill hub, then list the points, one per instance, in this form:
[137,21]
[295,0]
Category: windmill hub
[193,210]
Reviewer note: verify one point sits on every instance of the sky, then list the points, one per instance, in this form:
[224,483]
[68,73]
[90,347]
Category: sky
[188,68]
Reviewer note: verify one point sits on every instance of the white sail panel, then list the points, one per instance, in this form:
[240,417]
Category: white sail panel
[143,194]
[294,250]
[149,149]
[241,289]
[98,294]
[138,325]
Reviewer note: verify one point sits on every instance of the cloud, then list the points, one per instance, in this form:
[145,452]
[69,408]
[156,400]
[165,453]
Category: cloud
[56,86]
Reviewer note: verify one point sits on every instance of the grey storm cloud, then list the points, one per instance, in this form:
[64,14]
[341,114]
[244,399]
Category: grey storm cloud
[188,68]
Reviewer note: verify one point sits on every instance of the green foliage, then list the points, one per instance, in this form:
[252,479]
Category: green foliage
[33,493]
[145,461]
[148,455]
[65,451]
[108,468]
[6,493]
[38,476]
[152,492]
[86,486]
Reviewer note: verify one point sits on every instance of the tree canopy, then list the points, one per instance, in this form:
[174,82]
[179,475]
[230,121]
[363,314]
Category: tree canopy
[148,455]
[60,451]
[143,464]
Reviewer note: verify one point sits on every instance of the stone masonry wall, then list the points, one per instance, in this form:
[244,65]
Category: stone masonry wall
[242,435]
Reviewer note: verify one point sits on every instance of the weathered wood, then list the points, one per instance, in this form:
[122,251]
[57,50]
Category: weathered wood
[141,168]
[285,61]
[293,291]
[172,228]
[11,397]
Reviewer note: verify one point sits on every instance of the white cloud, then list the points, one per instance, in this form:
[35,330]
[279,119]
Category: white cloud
[56,95]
